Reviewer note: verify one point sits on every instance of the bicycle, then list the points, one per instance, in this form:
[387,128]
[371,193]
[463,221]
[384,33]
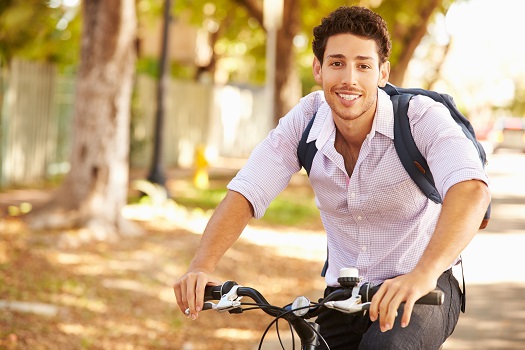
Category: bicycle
[350,298]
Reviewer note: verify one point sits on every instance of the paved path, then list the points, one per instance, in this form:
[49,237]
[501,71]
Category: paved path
[494,270]
[494,261]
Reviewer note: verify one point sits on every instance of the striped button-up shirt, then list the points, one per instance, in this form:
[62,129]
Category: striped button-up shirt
[377,219]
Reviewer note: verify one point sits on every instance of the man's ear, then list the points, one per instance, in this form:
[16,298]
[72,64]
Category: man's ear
[384,74]
[316,69]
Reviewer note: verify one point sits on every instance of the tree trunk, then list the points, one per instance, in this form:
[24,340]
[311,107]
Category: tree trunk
[287,82]
[409,39]
[95,190]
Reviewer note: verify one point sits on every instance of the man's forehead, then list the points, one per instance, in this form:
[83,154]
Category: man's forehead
[346,46]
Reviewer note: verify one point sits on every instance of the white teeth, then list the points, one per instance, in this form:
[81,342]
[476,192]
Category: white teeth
[349,97]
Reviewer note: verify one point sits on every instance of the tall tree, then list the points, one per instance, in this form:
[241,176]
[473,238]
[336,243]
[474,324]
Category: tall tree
[407,20]
[38,30]
[95,190]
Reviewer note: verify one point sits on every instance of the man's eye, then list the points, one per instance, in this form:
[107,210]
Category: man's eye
[337,64]
[364,66]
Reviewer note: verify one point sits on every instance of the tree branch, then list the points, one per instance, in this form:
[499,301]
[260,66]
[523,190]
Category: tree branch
[254,8]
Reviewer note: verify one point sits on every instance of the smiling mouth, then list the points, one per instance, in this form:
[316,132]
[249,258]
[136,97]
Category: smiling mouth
[348,97]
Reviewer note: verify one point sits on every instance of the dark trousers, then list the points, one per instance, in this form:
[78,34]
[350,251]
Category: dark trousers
[428,329]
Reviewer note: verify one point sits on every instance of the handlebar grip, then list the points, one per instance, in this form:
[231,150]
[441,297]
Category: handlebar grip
[212,293]
[216,292]
[435,297]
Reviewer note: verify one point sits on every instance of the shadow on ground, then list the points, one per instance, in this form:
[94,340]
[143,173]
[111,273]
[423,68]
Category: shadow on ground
[494,319]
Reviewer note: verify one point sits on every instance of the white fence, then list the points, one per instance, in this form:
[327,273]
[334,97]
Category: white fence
[37,109]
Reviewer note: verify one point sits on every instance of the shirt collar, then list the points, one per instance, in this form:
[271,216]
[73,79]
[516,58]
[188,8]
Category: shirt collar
[384,118]
[324,128]
[327,128]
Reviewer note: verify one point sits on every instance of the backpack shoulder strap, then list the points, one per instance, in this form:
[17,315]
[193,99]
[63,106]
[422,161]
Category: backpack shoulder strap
[410,156]
[405,145]
[306,151]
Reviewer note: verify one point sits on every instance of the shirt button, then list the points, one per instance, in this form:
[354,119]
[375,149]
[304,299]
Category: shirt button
[363,248]
[359,218]
[352,195]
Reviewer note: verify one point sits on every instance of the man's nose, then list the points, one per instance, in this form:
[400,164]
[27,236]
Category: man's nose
[350,76]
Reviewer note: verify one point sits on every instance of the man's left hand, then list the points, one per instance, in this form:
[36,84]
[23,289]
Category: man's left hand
[402,289]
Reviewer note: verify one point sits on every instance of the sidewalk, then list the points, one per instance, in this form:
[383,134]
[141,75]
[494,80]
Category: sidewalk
[495,308]
[493,262]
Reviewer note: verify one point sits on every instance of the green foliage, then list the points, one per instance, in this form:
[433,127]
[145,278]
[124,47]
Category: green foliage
[237,38]
[28,28]
[204,199]
[33,30]
[291,208]
[291,211]
[150,66]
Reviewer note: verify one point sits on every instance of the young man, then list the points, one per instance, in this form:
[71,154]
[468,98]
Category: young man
[376,219]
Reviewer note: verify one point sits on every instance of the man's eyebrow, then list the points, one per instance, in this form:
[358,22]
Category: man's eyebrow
[364,58]
[336,55]
[358,57]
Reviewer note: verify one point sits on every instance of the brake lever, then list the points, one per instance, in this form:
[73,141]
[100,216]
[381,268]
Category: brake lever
[351,305]
[228,301]
[348,306]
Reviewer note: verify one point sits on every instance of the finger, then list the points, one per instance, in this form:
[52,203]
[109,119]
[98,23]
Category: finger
[179,289]
[373,311]
[388,313]
[375,302]
[190,295]
[178,296]
[407,312]
[388,308]
[199,293]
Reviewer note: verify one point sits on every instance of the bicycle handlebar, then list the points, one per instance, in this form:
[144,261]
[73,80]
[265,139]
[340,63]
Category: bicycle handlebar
[348,299]
[435,297]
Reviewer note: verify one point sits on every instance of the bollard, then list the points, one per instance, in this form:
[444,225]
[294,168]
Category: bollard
[200,176]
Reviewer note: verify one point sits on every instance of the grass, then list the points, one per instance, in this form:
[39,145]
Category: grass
[295,206]
[284,210]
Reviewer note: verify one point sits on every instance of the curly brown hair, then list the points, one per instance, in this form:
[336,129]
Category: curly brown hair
[354,20]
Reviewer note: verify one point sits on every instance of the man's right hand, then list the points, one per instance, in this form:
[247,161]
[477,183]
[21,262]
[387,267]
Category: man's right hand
[189,291]
[226,224]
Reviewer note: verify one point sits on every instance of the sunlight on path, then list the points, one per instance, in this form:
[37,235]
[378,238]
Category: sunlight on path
[291,243]
[492,258]
[483,258]
[32,307]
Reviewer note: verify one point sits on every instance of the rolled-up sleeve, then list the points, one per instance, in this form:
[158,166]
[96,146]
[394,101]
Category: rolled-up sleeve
[451,156]
[273,162]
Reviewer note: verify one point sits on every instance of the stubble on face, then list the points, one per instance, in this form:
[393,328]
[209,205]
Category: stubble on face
[350,76]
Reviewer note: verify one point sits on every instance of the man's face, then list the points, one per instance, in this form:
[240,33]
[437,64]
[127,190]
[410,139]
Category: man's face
[350,75]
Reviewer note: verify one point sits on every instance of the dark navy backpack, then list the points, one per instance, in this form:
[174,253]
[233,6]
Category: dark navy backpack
[412,160]
[414,163]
